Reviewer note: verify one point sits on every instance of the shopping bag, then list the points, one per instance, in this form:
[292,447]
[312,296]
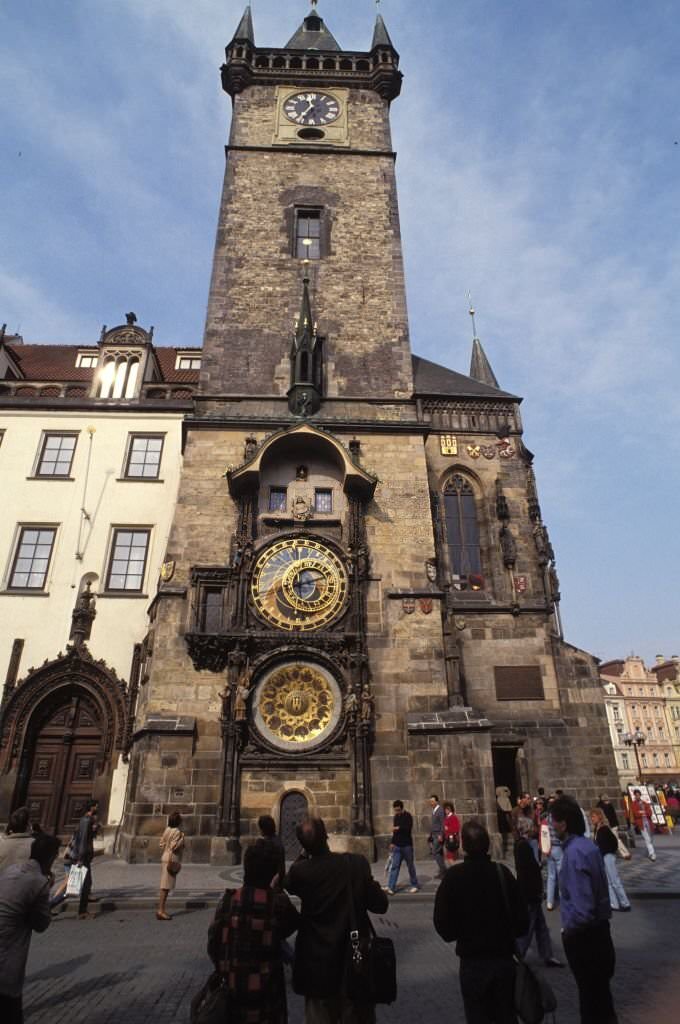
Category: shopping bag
[624,852]
[546,841]
[76,878]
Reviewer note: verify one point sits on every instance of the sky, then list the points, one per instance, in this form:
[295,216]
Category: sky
[538,156]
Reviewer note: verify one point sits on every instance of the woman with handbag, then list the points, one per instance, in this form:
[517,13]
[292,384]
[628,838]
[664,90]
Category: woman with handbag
[172,844]
[608,844]
[451,833]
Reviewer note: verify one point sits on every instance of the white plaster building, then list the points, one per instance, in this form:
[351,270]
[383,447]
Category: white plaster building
[90,459]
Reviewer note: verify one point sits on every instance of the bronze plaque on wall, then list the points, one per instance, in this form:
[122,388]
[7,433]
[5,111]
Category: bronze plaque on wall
[518,682]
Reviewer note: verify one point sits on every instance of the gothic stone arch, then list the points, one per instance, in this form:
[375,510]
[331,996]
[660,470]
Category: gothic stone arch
[74,679]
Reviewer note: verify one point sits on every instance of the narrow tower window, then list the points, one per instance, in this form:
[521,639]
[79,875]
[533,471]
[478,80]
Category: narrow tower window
[308,234]
[461,527]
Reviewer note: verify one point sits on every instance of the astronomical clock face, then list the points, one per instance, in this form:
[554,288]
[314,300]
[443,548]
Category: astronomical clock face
[297,706]
[312,108]
[299,585]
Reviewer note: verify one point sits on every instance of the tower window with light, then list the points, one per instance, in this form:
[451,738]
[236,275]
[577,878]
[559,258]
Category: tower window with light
[308,234]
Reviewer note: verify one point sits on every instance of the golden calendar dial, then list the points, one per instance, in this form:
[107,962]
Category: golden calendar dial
[299,584]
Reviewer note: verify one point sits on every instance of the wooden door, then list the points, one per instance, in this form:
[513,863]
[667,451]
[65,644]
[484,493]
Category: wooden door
[66,753]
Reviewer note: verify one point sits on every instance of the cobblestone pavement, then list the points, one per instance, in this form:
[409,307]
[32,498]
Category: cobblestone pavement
[127,967]
[124,885]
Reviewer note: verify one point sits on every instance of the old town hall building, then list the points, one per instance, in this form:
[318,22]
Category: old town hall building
[358,601]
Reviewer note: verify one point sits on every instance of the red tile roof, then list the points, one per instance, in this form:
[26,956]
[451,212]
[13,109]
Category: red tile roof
[58,363]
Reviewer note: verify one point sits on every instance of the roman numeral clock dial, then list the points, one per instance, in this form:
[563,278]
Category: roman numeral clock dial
[312,109]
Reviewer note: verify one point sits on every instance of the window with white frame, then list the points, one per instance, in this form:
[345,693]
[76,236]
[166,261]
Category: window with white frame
[143,461]
[87,360]
[188,363]
[56,455]
[616,711]
[127,562]
[625,762]
[667,759]
[32,558]
[655,759]
[643,760]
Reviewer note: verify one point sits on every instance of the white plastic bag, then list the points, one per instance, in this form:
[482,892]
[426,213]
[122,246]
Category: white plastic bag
[76,878]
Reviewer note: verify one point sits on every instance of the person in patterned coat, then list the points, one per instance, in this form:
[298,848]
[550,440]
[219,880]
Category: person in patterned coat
[244,940]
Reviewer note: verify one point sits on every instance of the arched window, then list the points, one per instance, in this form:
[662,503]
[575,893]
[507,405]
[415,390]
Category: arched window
[461,527]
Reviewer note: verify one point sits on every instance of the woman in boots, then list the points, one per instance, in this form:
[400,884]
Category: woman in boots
[172,842]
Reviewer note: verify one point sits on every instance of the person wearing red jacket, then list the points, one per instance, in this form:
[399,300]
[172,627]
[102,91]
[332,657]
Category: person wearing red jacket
[642,819]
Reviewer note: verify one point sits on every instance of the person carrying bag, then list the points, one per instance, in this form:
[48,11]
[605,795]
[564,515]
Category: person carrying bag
[372,961]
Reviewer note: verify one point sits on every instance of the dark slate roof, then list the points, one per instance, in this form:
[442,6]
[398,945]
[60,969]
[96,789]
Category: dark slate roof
[245,27]
[381,36]
[480,367]
[433,379]
[308,37]
[58,363]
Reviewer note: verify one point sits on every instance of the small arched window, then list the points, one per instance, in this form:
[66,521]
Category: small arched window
[461,527]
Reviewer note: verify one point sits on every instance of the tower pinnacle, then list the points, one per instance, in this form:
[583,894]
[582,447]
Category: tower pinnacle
[245,31]
[480,367]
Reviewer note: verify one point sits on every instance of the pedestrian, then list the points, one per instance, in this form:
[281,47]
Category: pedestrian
[84,851]
[585,911]
[24,909]
[605,804]
[554,859]
[479,906]
[530,881]
[436,837]
[322,880]
[15,844]
[451,833]
[246,937]
[401,849]
[504,815]
[522,817]
[608,845]
[267,827]
[172,844]
[641,812]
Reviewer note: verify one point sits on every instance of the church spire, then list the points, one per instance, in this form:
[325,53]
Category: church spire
[313,34]
[480,367]
[245,32]
[381,36]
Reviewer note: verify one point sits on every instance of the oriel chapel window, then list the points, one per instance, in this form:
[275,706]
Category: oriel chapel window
[461,527]
[277,499]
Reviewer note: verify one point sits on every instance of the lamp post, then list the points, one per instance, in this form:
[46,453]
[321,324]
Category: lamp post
[636,740]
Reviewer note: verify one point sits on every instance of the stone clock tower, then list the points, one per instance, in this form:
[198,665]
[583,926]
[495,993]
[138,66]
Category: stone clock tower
[352,521]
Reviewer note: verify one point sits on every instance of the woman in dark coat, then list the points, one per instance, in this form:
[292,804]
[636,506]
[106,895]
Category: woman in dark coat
[608,844]
[244,941]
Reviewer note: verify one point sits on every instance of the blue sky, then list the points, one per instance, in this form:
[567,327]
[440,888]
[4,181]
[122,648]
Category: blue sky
[539,150]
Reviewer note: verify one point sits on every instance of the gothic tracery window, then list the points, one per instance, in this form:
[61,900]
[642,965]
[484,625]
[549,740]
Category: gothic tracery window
[461,528]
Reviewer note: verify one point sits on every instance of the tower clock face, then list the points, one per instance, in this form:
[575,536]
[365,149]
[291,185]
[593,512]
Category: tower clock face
[299,585]
[312,108]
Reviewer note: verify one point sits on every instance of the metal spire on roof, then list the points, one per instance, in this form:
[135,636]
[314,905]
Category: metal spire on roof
[480,367]
[245,29]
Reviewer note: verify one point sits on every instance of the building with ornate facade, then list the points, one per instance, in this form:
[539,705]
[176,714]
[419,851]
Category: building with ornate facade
[90,458]
[361,601]
[640,702]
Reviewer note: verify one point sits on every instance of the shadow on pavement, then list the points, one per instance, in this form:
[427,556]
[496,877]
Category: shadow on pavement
[60,970]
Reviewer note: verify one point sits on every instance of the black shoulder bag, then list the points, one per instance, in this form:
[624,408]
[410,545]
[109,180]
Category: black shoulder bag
[371,975]
[533,995]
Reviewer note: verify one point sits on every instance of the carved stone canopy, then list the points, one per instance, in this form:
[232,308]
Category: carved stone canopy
[303,439]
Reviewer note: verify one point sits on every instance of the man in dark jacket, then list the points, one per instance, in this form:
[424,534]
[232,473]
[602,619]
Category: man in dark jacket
[321,879]
[84,848]
[479,906]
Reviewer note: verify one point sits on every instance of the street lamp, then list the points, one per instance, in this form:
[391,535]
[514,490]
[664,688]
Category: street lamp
[636,740]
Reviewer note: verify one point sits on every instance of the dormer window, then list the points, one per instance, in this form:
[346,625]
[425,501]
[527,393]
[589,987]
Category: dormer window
[87,360]
[188,362]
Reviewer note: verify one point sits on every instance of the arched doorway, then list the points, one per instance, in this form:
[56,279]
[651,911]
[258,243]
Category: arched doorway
[63,754]
[293,809]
